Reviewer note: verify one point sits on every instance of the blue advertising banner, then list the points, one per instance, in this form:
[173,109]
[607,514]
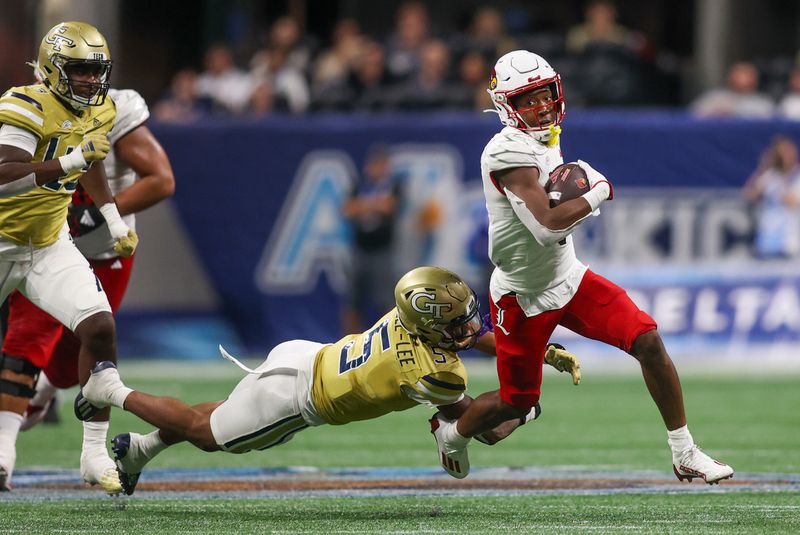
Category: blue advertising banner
[262,204]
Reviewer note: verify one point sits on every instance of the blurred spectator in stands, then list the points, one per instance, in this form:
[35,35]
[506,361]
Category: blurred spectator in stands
[333,66]
[774,189]
[470,92]
[182,103]
[285,35]
[487,33]
[287,81]
[789,106]
[430,88]
[223,82]
[371,80]
[600,28]
[412,27]
[739,99]
[262,101]
[371,209]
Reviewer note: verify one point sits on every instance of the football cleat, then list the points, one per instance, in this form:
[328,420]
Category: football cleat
[5,480]
[97,468]
[694,463]
[94,396]
[454,460]
[125,448]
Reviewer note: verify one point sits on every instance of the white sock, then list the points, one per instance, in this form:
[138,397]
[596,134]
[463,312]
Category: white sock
[9,429]
[453,438]
[94,435]
[680,440]
[118,396]
[151,445]
[45,391]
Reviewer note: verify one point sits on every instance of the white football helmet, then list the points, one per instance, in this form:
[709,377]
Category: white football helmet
[519,72]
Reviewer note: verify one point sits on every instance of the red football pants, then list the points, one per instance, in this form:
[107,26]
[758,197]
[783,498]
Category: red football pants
[600,310]
[42,340]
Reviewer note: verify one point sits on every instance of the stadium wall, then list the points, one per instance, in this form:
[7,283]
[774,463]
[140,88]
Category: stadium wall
[268,248]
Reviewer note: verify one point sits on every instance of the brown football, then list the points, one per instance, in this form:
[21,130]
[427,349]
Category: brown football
[567,181]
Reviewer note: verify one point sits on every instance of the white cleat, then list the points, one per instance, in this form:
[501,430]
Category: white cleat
[694,463]
[97,468]
[454,459]
[8,458]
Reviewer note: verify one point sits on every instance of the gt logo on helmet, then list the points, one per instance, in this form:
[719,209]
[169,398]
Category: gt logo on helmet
[58,40]
[429,307]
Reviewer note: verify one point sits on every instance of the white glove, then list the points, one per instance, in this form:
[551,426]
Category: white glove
[601,189]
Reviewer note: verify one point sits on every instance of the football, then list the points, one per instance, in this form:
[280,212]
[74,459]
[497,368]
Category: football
[567,181]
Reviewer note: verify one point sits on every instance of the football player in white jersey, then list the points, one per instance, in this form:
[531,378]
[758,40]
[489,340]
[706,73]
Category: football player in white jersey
[139,175]
[539,283]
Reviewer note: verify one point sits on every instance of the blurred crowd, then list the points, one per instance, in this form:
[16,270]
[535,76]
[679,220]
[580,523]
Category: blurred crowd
[750,93]
[414,67]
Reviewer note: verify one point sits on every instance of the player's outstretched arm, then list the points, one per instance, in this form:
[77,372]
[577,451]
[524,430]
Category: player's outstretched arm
[499,432]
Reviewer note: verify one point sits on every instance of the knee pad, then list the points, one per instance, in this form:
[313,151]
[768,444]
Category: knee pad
[22,367]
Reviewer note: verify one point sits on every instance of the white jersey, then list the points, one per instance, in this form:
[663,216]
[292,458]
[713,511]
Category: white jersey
[543,277]
[132,112]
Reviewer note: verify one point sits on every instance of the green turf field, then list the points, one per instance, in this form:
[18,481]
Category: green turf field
[631,513]
[607,423]
[752,423]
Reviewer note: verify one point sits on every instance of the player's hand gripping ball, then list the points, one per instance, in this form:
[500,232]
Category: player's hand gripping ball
[567,181]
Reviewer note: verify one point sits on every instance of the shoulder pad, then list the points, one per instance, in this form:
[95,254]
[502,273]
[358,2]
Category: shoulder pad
[511,148]
[19,108]
[132,111]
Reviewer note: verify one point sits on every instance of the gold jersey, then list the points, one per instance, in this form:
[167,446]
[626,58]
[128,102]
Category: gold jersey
[383,370]
[36,217]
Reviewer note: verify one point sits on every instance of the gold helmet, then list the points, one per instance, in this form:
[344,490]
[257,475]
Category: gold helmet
[75,49]
[438,307]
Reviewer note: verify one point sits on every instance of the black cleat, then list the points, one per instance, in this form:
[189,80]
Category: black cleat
[120,445]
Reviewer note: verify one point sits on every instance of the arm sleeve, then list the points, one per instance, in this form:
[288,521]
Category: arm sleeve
[542,234]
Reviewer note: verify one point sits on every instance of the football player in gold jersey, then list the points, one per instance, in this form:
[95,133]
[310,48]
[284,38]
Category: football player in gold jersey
[50,135]
[407,358]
